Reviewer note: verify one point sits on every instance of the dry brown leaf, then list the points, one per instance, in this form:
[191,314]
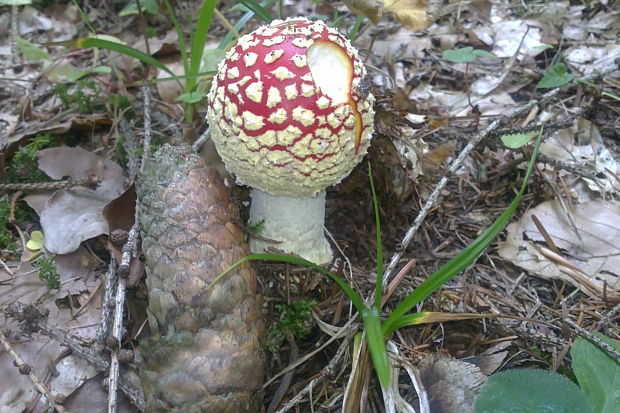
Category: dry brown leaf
[70,216]
[368,8]
[410,13]
[589,256]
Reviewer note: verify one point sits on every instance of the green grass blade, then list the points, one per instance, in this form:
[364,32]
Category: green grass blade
[124,49]
[465,258]
[198,40]
[353,296]
[258,10]
[376,345]
[379,282]
[180,35]
[356,29]
[240,25]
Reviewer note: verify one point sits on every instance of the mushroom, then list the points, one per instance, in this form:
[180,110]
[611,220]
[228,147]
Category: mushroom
[289,119]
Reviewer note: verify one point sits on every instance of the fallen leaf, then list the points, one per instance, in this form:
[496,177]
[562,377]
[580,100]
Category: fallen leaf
[588,241]
[368,8]
[36,241]
[70,216]
[410,13]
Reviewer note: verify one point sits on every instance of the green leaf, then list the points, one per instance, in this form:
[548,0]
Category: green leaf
[542,47]
[357,301]
[598,374]
[257,9]
[517,140]
[31,52]
[124,49]
[465,257]
[148,6]
[531,391]
[484,53]
[211,59]
[376,345]
[80,73]
[463,55]
[191,97]
[379,280]
[36,241]
[556,76]
[240,24]
[198,40]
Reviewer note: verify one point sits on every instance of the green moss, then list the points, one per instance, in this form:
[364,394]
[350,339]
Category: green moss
[25,165]
[295,317]
[46,269]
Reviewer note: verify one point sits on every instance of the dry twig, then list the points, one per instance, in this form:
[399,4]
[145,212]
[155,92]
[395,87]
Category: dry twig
[27,370]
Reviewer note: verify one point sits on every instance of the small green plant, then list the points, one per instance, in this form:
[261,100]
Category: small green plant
[83,98]
[465,55]
[46,269]
[295,318]
[7,240]
[526,391]
[24,165]
[256,227]
[556,75]
[377,330]
[194,65]
[517,140]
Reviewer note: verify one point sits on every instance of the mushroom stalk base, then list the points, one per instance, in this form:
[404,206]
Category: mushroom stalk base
[295,221]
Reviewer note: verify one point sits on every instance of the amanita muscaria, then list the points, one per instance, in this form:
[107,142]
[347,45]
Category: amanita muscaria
[288,119]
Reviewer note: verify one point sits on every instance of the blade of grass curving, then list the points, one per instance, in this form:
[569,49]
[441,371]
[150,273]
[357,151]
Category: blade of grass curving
[198,40]
[124,49]
[353,296]
[241,24]
[376,345]
[180,35]
[355,29]
[379,281]
[465,258]
[429,317]
[258,10]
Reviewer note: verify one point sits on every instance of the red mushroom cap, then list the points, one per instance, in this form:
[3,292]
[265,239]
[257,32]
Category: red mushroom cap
[284,109]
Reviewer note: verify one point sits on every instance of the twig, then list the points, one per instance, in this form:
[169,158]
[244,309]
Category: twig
[606,319]
[129,251]
[14,33]
[67,183]
[197,146]
[146,146]
[106,307]
[288,377]
[130,146]
[456,164]
[594,340]
[14,200]
[27,370]
[117,333]
[327,371]
[35,322]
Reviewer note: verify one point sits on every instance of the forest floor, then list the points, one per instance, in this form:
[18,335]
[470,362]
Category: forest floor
[554,269]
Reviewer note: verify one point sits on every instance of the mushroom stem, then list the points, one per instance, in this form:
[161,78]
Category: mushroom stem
[295,221]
